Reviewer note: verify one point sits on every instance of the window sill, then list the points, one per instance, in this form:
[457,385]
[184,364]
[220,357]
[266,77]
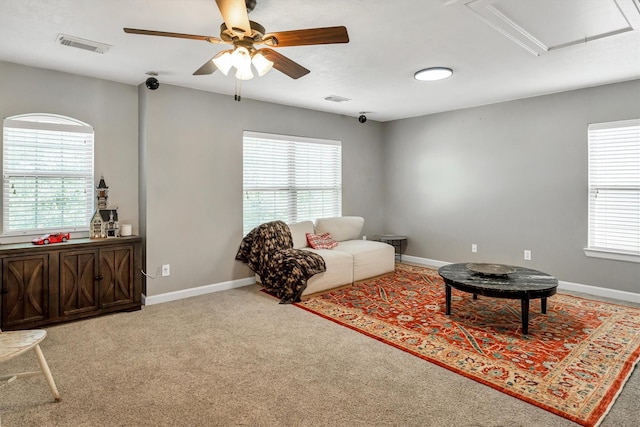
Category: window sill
[608,254]
[24,238]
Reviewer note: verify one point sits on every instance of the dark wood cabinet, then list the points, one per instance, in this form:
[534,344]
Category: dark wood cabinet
[43,285]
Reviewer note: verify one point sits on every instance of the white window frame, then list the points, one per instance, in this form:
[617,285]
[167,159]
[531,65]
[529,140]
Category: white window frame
[60,157]
[614,190]
[320,175]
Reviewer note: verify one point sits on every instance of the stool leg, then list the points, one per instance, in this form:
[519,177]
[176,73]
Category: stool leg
[47,373]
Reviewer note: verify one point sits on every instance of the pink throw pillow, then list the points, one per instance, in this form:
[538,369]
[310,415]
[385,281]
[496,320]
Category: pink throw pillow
[324,241]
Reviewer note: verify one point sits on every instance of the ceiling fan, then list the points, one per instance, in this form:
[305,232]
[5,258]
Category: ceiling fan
[245,35]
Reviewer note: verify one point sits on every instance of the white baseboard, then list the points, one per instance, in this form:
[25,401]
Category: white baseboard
[600,292]
[567,286]
[200,290]
[424,261]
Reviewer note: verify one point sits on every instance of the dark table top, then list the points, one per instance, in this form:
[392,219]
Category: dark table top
[521,282]
[390,237]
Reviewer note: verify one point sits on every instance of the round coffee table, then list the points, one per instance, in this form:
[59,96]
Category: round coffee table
[500,281]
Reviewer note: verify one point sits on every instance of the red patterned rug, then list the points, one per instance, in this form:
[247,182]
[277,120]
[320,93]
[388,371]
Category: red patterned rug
[574,361]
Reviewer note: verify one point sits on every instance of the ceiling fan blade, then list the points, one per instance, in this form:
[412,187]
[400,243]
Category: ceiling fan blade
[284,64]
[207,68]
[210,39]
[310,36]
[234,13]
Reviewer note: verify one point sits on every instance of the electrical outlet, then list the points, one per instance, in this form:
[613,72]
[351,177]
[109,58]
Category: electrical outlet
[166,271]
[527,255]
[474,248]
[364,237]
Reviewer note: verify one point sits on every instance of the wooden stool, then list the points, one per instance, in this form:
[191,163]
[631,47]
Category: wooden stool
[14,343]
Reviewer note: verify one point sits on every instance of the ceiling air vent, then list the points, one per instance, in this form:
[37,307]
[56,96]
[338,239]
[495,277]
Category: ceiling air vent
[336,98]
[79,43]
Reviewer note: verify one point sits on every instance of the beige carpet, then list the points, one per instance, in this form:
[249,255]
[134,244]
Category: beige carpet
[238,358]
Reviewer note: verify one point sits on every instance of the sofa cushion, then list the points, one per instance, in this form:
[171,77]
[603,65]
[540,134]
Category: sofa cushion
[324,241]
[339,271]
[299,233]
[341,228]
[370,258]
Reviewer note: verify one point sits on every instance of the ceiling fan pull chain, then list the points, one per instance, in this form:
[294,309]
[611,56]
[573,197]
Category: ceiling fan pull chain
[237,96]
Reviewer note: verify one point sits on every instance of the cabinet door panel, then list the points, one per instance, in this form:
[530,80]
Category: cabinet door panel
[78,286]
[25,281]
[116,268]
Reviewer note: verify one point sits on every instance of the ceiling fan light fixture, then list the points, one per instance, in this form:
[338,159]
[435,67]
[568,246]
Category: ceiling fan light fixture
[240,58]
[433,73]
[223,61]
[262,64]
[244,73]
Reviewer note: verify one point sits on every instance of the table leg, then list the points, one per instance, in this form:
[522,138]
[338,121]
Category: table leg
[447,293]
[543,305]
[525,315]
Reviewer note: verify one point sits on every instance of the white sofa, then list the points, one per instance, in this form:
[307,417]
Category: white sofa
[351,260]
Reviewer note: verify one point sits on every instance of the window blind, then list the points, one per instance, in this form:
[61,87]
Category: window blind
[47,175]
[290,178]
[614,186]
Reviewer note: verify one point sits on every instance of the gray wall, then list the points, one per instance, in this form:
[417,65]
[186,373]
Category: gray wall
[111,108]
[193,170]
[508,177]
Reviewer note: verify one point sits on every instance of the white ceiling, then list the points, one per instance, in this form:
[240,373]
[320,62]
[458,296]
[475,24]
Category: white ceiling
[499,49]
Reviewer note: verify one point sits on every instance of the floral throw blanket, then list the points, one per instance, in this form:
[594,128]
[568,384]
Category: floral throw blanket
[284,271]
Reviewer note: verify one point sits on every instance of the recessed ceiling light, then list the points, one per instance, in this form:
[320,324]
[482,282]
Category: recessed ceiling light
[433,74]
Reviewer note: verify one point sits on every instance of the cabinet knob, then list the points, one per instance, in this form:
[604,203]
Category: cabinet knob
[98,277]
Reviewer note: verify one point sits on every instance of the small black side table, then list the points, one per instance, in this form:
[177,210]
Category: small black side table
[395,241]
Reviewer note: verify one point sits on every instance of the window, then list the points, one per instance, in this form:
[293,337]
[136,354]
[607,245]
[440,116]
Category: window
[290,178]
[614,190]
[47,174]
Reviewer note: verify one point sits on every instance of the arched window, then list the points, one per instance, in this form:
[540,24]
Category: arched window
[47,174]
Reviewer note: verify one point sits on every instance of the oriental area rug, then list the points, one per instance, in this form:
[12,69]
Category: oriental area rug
[574,361]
